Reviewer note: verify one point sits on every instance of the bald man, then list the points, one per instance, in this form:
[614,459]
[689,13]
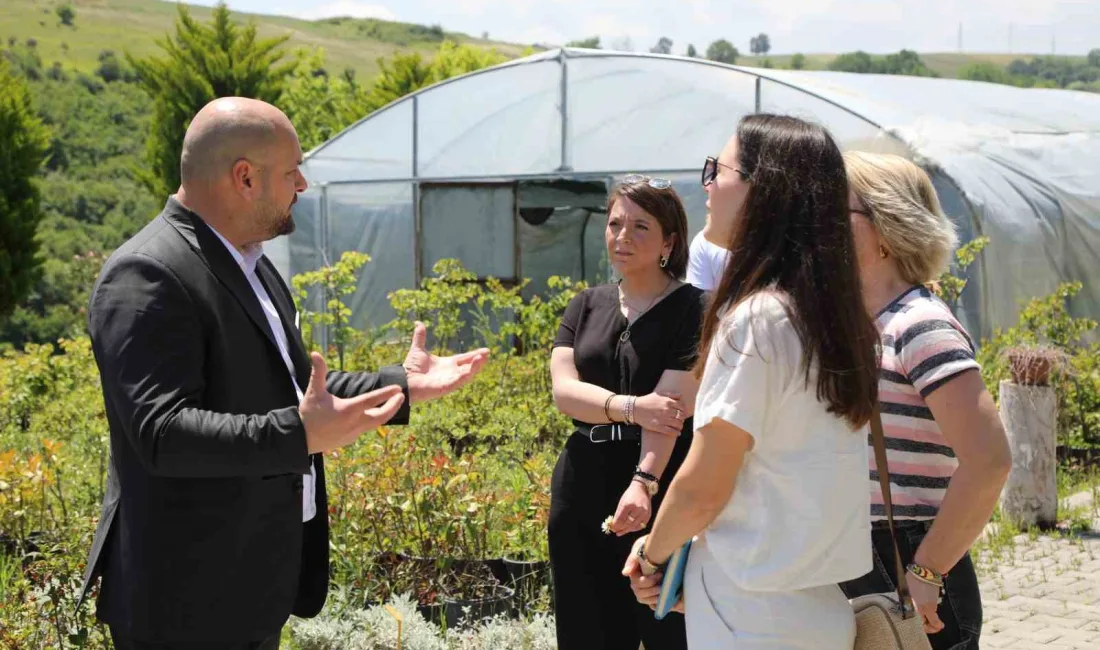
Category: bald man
[214,526]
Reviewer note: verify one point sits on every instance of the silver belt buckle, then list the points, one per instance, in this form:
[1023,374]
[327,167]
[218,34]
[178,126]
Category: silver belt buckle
[616,433]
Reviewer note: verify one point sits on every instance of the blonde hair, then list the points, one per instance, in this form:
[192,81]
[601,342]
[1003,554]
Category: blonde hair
[905,211]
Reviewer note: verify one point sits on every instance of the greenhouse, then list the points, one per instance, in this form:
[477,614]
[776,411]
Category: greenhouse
[508,169]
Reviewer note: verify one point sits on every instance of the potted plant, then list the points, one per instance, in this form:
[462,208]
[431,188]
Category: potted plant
[1033,365]
[473,594]
[527,553]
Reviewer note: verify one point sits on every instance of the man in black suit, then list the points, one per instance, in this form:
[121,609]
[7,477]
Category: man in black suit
[214,526]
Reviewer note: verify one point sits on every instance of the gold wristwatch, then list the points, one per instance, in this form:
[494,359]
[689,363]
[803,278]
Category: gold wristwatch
[648,568]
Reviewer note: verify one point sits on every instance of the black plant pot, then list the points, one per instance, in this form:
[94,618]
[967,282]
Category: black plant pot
[454,575]
[1083,457]
[527,578]
[433,613]
[460,613]
[518,570]
[499,568]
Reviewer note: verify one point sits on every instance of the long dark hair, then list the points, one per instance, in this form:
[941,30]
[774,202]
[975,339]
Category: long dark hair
[794,233]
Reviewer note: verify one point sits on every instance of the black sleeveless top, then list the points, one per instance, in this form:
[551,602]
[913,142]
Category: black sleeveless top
[629,359]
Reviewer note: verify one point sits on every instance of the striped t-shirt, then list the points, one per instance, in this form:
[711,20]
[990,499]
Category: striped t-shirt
[923,347]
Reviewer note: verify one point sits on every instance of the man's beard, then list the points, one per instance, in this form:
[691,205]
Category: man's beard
[277,220]
[287,225]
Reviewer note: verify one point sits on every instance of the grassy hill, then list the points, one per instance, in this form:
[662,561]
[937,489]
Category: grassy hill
[135,25]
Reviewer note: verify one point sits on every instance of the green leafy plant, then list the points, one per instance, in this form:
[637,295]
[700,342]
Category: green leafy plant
[333,282]
[950,286]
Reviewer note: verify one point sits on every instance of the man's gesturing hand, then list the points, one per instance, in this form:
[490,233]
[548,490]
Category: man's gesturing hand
[332,422]
[430,376]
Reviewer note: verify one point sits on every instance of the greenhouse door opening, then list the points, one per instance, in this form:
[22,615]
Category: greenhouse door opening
[517,230]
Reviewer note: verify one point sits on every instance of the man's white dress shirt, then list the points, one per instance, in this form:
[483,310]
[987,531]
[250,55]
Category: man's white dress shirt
[247,261]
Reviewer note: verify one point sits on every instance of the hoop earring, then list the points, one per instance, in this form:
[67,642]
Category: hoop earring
[664,261]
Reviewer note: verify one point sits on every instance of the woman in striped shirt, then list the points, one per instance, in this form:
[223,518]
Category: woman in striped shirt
[947,452]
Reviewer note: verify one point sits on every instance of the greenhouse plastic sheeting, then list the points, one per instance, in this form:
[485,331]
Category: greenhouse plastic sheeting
[376,219]
[1037,197]
[502,123]
[892,101]
[374,149]
[631,113]
[474,224]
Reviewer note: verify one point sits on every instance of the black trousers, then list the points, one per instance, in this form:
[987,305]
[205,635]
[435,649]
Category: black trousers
[961,608]
[593,604]
[122,642]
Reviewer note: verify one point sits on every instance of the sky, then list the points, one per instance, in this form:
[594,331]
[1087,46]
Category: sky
[808,26]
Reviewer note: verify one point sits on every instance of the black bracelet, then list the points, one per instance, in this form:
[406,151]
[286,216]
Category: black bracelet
[638,471]
[607,408]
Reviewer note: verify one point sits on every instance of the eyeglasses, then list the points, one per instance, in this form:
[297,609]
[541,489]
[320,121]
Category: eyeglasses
[655,183]
[710,170]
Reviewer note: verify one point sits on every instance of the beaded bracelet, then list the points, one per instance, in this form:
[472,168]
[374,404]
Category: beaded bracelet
[925,574]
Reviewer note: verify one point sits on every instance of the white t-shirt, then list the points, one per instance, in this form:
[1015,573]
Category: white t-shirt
[797,517]
[706,263]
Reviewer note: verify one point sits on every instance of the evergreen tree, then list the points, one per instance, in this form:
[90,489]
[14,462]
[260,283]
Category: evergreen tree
[202,63]
[23,143]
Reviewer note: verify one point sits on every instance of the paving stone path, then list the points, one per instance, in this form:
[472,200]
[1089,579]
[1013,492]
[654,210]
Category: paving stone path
[1043,591]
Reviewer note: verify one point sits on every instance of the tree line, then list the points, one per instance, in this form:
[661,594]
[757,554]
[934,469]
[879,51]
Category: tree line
[720,50]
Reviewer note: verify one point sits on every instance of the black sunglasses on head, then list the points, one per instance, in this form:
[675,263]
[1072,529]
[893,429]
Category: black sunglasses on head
[710,170]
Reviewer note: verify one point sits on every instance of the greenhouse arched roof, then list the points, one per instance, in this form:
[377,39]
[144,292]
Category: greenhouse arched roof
[583,111]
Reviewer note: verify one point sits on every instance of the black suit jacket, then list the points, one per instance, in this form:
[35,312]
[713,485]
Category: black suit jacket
[201,537]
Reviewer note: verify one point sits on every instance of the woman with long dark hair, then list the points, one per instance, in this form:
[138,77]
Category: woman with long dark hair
[774,484]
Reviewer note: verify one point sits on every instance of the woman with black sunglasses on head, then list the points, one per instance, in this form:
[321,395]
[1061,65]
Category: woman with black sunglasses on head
[774,484]
[621,368]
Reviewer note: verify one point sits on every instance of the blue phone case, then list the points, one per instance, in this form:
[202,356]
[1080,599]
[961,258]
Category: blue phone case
[672,583]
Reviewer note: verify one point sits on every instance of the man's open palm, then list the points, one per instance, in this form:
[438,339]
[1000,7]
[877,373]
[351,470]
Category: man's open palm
[431,376]
[332,422]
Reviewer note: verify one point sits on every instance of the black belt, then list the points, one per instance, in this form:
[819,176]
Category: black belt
[903,524]
[614,432]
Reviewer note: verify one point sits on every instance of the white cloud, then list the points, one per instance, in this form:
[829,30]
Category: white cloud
[348,8]
[613,29]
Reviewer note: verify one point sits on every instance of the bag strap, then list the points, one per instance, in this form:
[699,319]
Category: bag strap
[878,439]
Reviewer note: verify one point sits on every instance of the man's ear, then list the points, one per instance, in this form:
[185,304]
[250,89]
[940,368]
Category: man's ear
[244,176]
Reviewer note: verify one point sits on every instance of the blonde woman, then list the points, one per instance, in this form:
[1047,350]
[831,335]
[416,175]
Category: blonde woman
[946,449]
